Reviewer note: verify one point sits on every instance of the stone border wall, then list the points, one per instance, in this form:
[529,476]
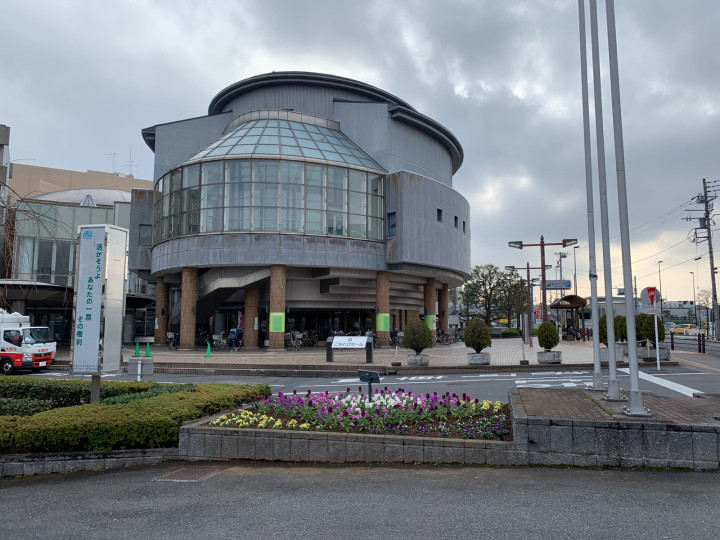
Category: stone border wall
[61,462]
[613,443]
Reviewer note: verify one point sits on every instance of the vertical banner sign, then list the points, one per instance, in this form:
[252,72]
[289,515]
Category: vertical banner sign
[88,300]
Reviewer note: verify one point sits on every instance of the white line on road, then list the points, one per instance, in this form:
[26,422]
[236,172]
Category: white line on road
[679,388]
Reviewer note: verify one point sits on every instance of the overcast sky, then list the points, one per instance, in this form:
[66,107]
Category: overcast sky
[80,79]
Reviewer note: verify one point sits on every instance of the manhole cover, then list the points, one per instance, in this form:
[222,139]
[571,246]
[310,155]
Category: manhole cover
[188,474]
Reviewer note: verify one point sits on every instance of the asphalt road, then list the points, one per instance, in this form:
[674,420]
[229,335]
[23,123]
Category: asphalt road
[246,500]
[670,381]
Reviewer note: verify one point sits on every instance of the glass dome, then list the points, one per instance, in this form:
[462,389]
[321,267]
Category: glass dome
[288,138]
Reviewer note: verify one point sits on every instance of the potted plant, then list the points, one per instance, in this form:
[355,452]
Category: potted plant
[417,337]
[620,333]
[477,337]
[548,338]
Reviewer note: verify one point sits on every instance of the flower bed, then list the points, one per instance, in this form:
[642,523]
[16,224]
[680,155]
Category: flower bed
[387,413]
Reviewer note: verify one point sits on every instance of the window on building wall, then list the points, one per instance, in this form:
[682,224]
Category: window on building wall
[439,214]
[145,235]
[391,221]
[463,225]
[456,222]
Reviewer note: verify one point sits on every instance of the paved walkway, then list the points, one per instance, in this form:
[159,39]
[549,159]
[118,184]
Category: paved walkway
[504,352]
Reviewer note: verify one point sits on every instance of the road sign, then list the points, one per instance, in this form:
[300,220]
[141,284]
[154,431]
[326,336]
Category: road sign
[652,311]
[649,295]
[562,284]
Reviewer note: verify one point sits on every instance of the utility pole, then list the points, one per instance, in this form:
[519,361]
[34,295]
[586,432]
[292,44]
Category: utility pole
[706,200]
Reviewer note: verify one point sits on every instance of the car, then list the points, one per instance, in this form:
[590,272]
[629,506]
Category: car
[669,326]
[685,329]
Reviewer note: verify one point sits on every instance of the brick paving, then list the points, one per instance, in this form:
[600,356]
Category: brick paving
[590,405]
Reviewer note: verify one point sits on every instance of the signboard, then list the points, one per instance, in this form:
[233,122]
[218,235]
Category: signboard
[349,342]
[562,284]
[88,299]
[648,295]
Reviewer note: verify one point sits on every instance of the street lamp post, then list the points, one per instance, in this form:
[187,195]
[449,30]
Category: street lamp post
[518,244]
[575,269]
[694,303]
[528,328]
[662,315]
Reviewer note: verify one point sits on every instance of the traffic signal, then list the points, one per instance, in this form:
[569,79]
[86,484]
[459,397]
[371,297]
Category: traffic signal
[537,312]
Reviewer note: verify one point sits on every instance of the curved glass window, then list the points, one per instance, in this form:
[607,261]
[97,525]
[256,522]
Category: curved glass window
[269,196]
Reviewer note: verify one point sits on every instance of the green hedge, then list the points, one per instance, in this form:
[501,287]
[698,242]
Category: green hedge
[143,423]
[23,407]
[511,332]
[65,393]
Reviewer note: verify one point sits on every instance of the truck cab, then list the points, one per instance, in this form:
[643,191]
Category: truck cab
[23,346]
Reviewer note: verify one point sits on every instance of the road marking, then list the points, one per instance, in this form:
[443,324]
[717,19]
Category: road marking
[679,388]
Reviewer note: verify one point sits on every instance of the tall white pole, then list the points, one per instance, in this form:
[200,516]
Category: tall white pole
[635,407]
[594,312]
[613,387]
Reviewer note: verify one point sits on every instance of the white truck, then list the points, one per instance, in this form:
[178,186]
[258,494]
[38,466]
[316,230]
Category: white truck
[23,346]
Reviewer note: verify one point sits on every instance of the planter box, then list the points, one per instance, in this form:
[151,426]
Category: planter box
[549,357]
[418,359]
[619,353]
[479,359]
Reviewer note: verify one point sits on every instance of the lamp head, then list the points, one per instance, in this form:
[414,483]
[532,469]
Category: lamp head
[569,242]
[510,268]
[517,244]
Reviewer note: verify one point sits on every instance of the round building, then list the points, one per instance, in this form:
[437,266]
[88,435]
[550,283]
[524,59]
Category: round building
[301,202]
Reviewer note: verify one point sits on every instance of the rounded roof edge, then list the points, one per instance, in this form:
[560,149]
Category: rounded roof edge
[303,78]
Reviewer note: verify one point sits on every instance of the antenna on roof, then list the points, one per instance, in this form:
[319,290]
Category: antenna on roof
[113,154]
[130,162]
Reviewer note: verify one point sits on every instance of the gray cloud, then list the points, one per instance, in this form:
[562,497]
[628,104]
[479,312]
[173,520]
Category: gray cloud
[81,79]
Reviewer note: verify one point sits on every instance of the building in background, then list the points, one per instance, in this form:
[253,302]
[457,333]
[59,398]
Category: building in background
[301,201]
[44,207]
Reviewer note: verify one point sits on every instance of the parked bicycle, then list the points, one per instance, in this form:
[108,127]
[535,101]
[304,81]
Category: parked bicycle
[375,339]
[293,340]
[218,342]
[172,341]
[310,338]
[396,338]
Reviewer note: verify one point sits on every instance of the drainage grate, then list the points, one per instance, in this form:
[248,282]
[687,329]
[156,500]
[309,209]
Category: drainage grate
[188,474]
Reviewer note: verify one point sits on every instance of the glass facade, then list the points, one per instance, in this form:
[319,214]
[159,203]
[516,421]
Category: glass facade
[269,195]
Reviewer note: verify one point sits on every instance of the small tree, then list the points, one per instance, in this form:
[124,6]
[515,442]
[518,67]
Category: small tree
[642,328]
[548,335]
[620,328]
[477,335]
[417,336]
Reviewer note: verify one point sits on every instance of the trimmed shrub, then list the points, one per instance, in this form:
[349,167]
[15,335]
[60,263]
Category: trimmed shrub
[23,407]
[645,328]
[65,393]
[417,336]
[511,332]
[620,328]
[477,335]
[548,335]
[143,423]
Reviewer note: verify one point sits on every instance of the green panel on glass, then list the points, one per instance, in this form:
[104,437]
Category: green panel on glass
[277,322]
[430,322]
[382,322]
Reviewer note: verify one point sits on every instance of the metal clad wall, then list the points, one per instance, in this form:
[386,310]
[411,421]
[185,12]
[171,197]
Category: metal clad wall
[176,142]
[367,126]
[412,150]
[306,99]
[420,238]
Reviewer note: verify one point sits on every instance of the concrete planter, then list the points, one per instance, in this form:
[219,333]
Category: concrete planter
[549,357]
[619,353]
[418,359]
[479,359]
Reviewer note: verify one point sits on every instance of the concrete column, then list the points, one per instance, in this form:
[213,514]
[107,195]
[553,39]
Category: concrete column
[188,303]
[252,301]
[382,301]
[276,321]
[443,307]
[18,306]
[430,299]
[161,311]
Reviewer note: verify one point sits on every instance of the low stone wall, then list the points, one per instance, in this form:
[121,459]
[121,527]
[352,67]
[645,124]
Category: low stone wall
[614,443]
[200,442]
[61,462]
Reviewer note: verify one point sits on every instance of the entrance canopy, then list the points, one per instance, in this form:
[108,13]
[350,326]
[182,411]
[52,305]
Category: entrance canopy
[570,301]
